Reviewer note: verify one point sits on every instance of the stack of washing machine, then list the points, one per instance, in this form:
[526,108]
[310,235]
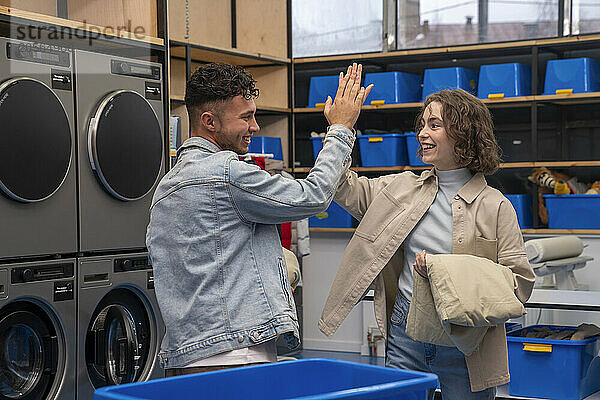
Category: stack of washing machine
[82,151]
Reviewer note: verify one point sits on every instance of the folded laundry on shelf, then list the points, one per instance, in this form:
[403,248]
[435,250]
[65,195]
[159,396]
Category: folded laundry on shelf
[562,265]
[582,332]
[560,247]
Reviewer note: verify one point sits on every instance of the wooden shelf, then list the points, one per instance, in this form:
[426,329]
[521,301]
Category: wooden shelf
[92,31]
[204,53]
[522,101]
[535,164]
[332,229]
[524,231]
[178,99]
[523,45]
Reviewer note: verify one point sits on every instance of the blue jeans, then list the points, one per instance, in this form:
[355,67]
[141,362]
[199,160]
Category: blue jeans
[448,363]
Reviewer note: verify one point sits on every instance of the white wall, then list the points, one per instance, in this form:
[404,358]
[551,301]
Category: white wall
[320,267]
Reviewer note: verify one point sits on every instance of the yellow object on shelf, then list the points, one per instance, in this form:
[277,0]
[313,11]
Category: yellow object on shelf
[561,188]
[564,91]
[375,139]
[537,347]
[496,96]
[320,105]
[377,102]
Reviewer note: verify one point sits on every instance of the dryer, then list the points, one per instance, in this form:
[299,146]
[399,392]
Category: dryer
[119,324]
[38,330]
[38,201]
[121,140]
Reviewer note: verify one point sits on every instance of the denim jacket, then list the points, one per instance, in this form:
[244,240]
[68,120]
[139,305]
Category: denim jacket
[219,271]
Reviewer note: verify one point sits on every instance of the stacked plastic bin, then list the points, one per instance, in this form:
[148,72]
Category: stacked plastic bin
[438,79]
[266,145]
[573,75]
[504,80]
[393,88]
[522,205]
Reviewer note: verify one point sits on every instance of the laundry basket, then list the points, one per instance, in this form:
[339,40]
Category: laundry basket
[310,379]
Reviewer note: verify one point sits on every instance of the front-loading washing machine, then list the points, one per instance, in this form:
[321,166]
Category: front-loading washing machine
[38,201]
[119,323]
[38,330]
[121,148]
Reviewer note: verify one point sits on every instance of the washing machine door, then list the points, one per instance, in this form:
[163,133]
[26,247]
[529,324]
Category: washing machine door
[35,140]
[125,145]
[118,340]
[28,354]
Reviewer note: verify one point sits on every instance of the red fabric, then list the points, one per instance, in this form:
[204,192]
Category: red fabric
[286,235]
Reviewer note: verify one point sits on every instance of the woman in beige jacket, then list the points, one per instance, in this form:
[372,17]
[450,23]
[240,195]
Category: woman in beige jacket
[448,209]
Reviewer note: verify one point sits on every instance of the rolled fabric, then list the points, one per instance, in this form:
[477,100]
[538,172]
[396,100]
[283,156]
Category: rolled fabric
[539,250]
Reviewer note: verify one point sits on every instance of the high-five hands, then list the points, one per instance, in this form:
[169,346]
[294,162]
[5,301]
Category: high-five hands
[421,263]
[350,96]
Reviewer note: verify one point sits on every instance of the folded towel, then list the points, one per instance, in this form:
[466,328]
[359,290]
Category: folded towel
[562,265]
[555,248]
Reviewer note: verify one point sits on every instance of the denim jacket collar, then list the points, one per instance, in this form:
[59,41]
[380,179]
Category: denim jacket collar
[197,141]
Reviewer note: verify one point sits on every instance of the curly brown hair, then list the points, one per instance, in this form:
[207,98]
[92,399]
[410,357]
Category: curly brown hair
[468,122]
[213,84]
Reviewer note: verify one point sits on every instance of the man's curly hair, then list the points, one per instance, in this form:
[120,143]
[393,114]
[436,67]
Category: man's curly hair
[213,84]
[468,122]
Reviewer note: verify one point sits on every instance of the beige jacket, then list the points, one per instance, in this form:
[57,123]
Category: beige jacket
[461,298]
[388,208]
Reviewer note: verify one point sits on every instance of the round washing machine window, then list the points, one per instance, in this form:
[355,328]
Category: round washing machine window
[35,140]
[119,340]
[29,355]
[125,145]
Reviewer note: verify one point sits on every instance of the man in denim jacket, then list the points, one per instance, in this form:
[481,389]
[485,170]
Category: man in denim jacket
[219,270]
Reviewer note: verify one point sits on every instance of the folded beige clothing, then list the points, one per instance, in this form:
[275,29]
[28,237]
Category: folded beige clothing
[555,248]
[463,296]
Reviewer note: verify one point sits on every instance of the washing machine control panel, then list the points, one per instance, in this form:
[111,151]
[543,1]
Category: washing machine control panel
[131,264]
[38,53]
[33,273]
[133,69]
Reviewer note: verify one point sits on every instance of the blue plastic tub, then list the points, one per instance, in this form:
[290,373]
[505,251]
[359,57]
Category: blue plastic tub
[387,150]
[511,326]
[311,379]
[437,79]
[317,145]
[504,80]
[334,217]
[393,87]
[573,211]
[522,205]
[553,369]
[321,87]
[574,75]
[412,146]
[266,145]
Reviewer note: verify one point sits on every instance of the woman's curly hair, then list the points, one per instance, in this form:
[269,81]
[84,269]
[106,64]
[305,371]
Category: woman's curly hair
[468,122]
[215,83]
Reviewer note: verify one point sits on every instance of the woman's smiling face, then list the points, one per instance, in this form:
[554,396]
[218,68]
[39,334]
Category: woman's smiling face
[438,147]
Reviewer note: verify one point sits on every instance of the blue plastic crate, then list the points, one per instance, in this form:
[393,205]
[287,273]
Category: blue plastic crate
[437,79]
[266,145]
[412,146]
[321,87]
[393,87]
[574,75]
[387,150]
[573,211]
[504,80]
[522,205]
[311,379]
[334,217]
[511,326]
[317,144]
[553,369]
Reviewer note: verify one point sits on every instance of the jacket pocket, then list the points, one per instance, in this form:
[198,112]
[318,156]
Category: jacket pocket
[487,248]
[380,214]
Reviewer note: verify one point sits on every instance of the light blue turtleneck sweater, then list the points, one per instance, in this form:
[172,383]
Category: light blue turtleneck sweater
[434,231]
